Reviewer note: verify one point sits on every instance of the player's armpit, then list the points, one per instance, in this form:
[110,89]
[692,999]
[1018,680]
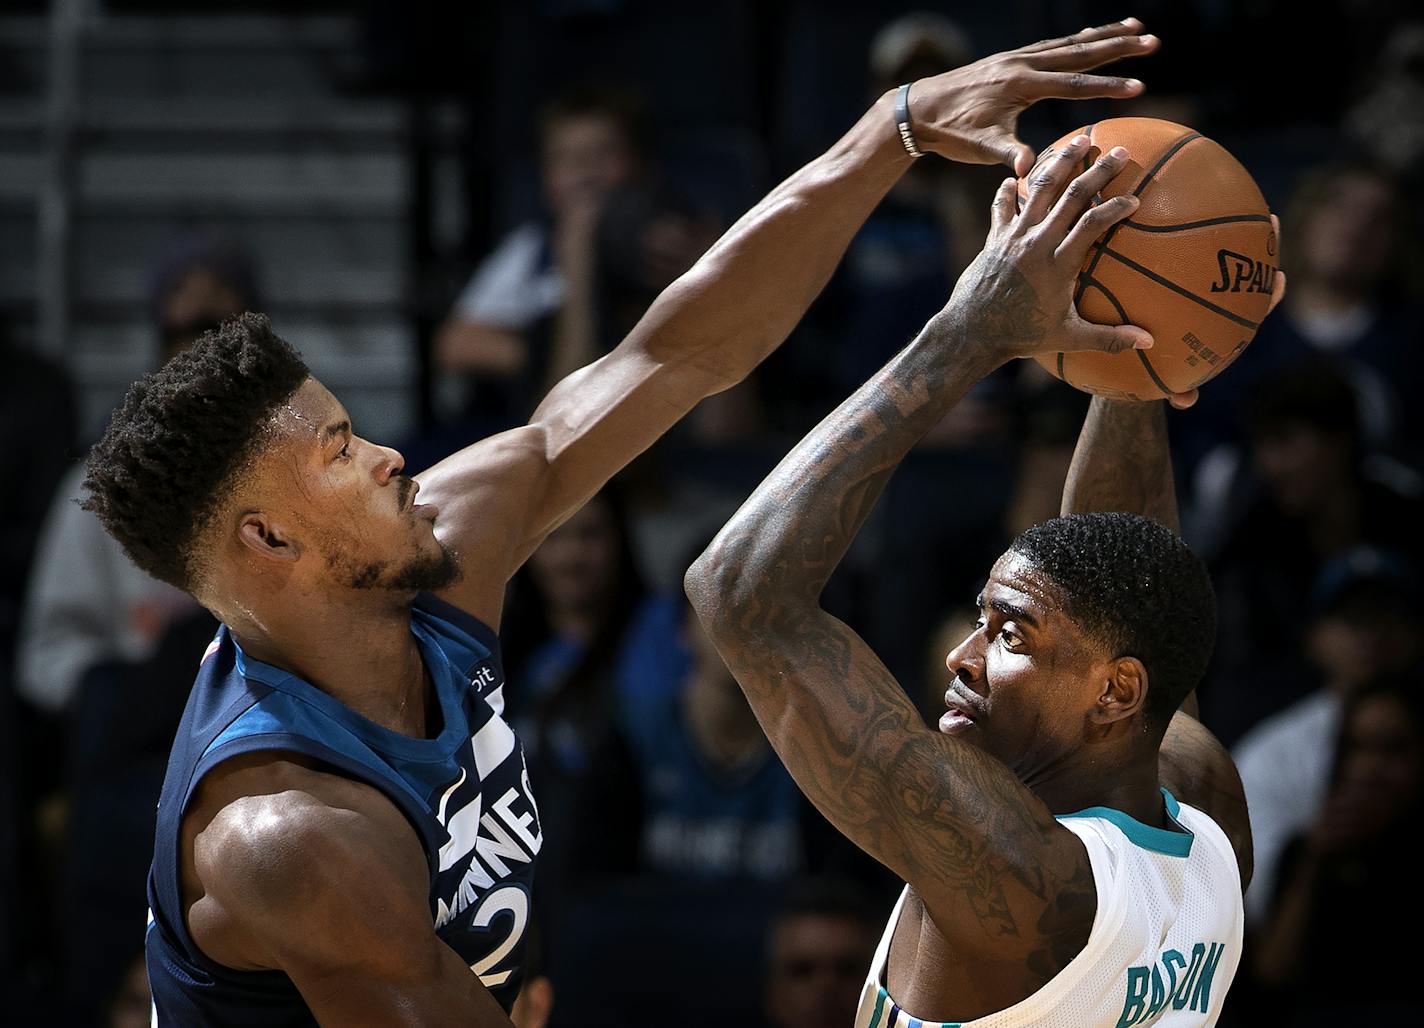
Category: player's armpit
[986,856]
[336,897]
[1198,770]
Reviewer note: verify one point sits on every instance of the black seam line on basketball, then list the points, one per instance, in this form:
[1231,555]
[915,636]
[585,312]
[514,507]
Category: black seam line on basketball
[1095,284]
[1137,193]
[1153,372]
[1061,373]
[1238,319]
[1184,226]
[1163,160]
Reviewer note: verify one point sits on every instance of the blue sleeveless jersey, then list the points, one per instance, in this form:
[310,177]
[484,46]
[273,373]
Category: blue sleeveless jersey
[466,793]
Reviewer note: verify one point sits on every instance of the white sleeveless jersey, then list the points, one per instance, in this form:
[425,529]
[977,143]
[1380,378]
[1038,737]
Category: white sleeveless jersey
[1165,943]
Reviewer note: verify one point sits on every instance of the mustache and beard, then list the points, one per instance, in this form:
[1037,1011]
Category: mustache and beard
[425,572]
[422,572]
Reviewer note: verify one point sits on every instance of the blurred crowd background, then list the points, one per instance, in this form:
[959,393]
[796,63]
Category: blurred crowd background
[448,207]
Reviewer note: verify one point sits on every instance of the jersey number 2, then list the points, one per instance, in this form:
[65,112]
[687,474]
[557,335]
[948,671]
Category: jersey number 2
[516,901]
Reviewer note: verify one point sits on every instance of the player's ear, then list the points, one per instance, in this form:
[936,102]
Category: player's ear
[264,536]
[1124,692]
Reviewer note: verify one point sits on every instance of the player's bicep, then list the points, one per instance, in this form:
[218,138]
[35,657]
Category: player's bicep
[1198,770]
[501,497]
[336,898]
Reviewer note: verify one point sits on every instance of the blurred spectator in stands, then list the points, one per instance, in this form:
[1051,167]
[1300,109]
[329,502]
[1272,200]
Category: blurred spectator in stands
[818,952]
[500,333]
[1308,494]
[1366,623]
[1389,117]
[37,438]
[701,797]
[1346,247]
[702,794]
[1331,945]
[583,642]
[115,650]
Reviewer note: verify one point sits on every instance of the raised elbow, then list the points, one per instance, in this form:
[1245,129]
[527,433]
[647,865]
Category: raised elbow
[713,584]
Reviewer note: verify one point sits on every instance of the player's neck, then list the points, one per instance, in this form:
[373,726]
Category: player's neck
[1132,788]
[368,660]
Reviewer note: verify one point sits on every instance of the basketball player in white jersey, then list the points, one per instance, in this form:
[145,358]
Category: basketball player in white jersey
[1074,848]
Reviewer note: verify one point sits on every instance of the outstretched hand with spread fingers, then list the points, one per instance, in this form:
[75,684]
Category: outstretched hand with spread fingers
[971,114]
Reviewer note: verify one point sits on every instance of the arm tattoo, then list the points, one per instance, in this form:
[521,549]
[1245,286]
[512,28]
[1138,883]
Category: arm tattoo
[1016,314]
[976,844]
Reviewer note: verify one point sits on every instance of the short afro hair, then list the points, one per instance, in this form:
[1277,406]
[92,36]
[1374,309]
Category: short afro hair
[1133,585]
[175,448]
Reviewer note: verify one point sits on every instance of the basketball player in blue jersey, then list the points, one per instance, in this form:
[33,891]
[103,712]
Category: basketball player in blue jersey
[346,834]
[1074,848]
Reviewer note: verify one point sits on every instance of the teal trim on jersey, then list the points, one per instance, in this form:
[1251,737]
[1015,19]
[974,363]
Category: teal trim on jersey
[883,1000]
[1158,840]
[880,999]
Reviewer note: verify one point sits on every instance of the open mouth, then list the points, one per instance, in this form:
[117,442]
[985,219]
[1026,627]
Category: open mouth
[960,716]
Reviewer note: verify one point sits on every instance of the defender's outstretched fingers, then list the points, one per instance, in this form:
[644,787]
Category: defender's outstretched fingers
[1074,249]
[1076,85]
[1085,56]
[1046,181]
[1005,205]
[1126,27]
[1078,197]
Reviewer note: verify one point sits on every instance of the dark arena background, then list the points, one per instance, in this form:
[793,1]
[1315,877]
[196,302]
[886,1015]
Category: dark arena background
[447,207]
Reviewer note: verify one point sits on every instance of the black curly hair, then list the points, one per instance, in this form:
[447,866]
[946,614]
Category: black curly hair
[1133,585]
[175,448]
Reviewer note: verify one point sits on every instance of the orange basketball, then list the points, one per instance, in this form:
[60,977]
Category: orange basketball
[1194,264]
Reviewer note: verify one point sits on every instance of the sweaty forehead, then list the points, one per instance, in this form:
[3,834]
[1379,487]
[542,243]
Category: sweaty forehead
[307,412]
[1016,580]
[294,441]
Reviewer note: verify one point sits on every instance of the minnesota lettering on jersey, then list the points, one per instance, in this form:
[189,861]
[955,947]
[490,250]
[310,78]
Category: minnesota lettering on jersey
[1186,984]
[497,835]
